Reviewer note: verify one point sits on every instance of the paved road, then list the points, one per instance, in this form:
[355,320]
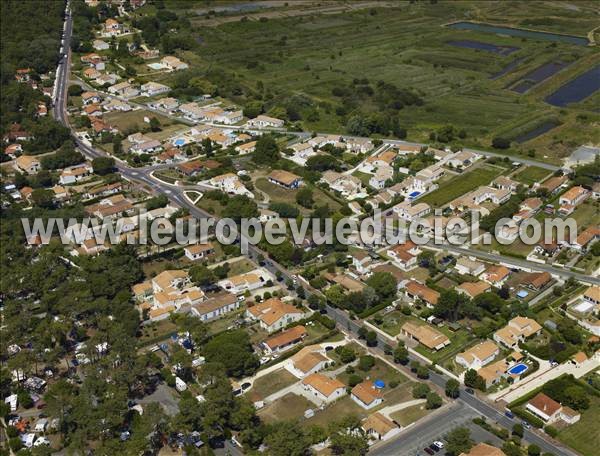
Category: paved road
[342,319]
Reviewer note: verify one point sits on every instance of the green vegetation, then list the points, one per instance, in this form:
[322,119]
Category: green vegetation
[531,174]
[461,184]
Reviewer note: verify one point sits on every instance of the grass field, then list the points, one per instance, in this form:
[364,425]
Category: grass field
[303,53]
[584,436]
[531,174]
[410,415]
[278,194]
[273,382]
[134,120]
[461,184]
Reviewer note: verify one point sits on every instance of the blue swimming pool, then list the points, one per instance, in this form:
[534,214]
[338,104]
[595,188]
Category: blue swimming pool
[518,369]
[179,142]
[414,194]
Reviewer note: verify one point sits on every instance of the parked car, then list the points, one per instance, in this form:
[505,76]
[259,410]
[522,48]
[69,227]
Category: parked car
[439,444]
[434,448]
[509,414]
[470,390]
[428,450]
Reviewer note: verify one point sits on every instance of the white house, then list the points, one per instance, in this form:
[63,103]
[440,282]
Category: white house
[467,266]
[263,121]
[74,174]
[408,212]
[245,282]
[274,314]
[367,395]
[151,89]
[378,427]
[215,307]
[323,388]
[198,251]
[478,356]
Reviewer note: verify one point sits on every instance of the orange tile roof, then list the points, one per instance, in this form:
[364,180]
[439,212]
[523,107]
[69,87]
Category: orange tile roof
[366,392]
[474,288]
[323,384]
[307,358]
[286,337]
[379,423]
[545,404]
[422,291]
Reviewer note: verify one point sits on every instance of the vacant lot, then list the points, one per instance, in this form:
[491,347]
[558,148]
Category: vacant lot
[278,194]
[461,184]
[289,407]
[134,120]
[410,415]
[531,174]
[275,381]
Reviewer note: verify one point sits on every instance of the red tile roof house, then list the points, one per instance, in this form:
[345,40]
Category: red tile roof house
[284,340]
[367,395]
[572,198]
[551,411]
[325,389]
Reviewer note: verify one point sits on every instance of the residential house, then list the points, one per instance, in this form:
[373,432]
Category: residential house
[274,314]
[404,255]
[147,147]
[554,184]
[547,248]
[123,89]
[16,133]
[467,266]
[74,174]
[505,183]
[151,89]
[285,179]
[173,63]
[408,212]
[28,164]
[112,27]
[381,177]
[431,173]
[361,261]
[244,282]
[495,275]
[91,58]
[425,335]
[103,190]
[246,148]
[230,183]
[367,395]
[572,198]
[199,251]
[478,356]
[216,306]
[592,295]
[378,427]
[544,407]
[517,330]
[92,110]
[349,284]
[536,280]
[168,104]
[13,149]
[103,79]
[586,238]
[325,389]
[358,145]
[90,98]
[301,153]
[111,207]
[321,141]
[23,74]
[415,290]
[473,289]
[307,361]
[493,372]
[263,121]
[462,159]
[285,339]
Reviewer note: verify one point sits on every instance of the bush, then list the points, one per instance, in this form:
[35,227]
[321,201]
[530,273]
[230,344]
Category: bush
[531,419]
[354,380]
[551,431]
[366,363]
[500,143]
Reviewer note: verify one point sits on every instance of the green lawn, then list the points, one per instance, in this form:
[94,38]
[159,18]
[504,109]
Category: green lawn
[531,174]
[584,436]
[380,371]
[461,184]
[410,415]
[273,382]
[134,120]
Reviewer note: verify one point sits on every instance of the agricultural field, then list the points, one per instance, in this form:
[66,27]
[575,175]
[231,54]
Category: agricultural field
[530,175]
[308,64]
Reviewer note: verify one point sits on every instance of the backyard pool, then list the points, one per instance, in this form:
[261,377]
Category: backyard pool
[413,195]
[518,369]
[179,142]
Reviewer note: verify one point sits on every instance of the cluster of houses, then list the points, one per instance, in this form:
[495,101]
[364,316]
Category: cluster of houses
[300,152]
[212,113]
